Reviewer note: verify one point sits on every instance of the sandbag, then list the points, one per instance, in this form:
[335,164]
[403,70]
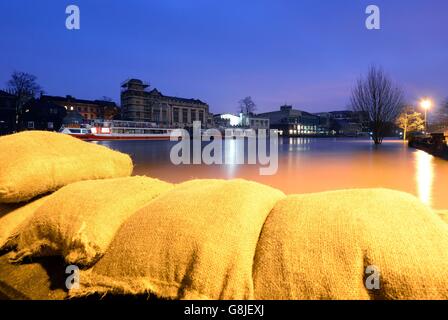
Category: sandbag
[37,162]
[335,245]
[12,216]
[195,242]
[79,220]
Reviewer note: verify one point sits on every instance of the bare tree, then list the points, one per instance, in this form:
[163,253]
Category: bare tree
[376,96]
[247,106]
[25,87]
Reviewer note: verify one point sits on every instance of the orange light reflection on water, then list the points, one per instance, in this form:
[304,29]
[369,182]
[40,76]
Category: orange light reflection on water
[424,176]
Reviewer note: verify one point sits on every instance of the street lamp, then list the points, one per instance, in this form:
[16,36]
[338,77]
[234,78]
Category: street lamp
[426,105]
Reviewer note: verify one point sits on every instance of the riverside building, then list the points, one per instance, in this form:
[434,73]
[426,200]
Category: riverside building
[89,109]
[141,104]
[290,122]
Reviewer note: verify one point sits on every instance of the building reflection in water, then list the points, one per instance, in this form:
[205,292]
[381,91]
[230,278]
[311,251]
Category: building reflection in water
[424,176]
[299,144]
[232,150]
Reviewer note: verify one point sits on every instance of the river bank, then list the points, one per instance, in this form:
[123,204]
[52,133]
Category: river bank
[434,144]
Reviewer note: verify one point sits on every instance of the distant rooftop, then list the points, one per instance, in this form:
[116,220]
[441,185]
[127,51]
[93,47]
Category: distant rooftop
[136,84]
[70,98]
[185,100]
[286,109]
[6,93]
[132,81]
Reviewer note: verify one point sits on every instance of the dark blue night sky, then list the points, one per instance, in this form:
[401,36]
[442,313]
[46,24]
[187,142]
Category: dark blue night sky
[304,52]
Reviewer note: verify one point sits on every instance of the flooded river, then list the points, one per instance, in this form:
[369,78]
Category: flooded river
[311,165]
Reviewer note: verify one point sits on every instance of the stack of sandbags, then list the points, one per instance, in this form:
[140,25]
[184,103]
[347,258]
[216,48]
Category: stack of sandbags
[196,241]
[212,239]
[356,244]
[35,163]
[79,220]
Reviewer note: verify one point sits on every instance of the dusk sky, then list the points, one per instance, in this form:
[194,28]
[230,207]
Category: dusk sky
[307,53]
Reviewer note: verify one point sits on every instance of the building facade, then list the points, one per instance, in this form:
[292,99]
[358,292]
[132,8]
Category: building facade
[291,122]
[7,112]
[349,122]
[223,121]
[243,121]
[140,104]
[41,115]
[89,109]
[255,122]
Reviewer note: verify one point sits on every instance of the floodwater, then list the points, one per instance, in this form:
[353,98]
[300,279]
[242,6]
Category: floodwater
[307,165]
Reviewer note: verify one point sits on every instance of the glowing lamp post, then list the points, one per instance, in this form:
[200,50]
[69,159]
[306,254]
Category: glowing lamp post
[426,105]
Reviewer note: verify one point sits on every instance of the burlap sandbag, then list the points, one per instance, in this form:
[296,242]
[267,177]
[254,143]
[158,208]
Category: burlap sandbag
[79,220]
[195,242]
[12,216]
[319,246]
[37,162]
